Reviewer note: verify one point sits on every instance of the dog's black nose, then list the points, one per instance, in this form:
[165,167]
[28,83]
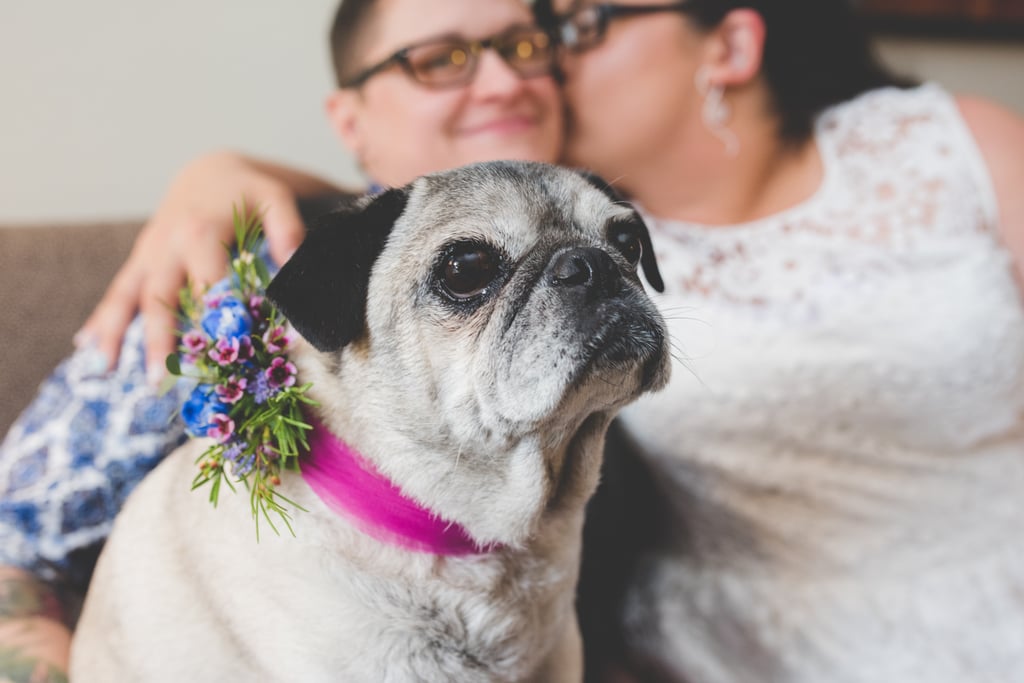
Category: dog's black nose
[588,268]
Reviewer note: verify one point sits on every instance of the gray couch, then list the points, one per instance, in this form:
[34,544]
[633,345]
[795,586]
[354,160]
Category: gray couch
[50,278]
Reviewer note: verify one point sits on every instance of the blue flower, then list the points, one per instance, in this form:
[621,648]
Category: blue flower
[243,466]
[261,389]
[229,319]
[241,463]
[199,409]
[235,450]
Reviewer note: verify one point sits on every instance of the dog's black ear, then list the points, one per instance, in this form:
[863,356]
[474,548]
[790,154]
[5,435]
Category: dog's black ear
[647,259]
[322,288]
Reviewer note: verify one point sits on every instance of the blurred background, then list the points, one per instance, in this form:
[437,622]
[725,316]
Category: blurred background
[103,100]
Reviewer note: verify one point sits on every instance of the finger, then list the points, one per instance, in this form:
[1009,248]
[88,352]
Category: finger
[105,328]
[159,314]
[158,329]
[207,263]
[283,226]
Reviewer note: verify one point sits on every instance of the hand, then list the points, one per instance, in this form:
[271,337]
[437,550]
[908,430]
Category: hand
[184,239]
[34,642]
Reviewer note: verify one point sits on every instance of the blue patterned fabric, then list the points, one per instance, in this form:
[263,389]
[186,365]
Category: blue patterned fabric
[88,438]
[75,454]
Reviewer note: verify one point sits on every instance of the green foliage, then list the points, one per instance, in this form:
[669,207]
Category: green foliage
[247,398]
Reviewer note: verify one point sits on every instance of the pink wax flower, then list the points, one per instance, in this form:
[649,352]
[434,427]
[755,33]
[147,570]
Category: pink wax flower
[221,428]
[225,351]
[276,340]
[232,390]
[256,306]
[194,342]
[281,373]
[245,349]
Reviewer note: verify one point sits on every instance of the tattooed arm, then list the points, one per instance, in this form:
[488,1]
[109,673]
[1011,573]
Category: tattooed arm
[34,641]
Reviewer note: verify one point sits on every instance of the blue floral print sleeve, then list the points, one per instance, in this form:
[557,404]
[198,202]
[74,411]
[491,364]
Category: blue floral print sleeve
[75,454]
[88,438]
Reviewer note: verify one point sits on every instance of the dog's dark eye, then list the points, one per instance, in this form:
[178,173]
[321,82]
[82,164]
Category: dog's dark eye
[626,238]
[467,269]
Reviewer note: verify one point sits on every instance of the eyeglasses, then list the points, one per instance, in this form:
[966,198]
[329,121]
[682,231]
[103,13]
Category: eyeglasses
[451,62]
[585,27]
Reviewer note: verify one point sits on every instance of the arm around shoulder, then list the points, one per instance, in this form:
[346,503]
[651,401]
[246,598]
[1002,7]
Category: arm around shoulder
[34,641]
[184,238]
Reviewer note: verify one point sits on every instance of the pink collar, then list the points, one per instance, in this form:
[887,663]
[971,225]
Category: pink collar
[352,487]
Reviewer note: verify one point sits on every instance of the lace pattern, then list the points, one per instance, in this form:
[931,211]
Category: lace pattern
[846,405]
[893,187]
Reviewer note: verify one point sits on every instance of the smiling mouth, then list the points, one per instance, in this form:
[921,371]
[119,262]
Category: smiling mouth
[505,126]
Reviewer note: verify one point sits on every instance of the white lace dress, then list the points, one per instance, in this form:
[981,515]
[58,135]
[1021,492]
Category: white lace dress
[842,436]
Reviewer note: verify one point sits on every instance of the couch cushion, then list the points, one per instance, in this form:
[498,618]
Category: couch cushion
[50,279]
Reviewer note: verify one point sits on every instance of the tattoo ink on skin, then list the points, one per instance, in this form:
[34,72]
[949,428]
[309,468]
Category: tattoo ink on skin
[22,597]
[24,603]
[17,667]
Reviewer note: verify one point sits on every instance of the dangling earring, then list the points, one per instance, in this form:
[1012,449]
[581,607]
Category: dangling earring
[715,112]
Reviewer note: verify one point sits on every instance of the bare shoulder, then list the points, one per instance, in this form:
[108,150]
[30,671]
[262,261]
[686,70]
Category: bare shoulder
[999,133]
[998,129]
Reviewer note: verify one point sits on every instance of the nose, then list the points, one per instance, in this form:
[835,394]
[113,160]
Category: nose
[494,77]
[587,269]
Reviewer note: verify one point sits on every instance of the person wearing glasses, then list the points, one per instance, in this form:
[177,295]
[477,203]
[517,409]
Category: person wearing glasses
[423,85]
[834,469]
[829,489]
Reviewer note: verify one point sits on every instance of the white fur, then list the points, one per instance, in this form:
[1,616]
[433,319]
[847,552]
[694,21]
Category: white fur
[184,592]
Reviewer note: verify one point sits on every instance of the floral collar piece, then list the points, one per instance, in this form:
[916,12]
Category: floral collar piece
[350,485]
[234,349]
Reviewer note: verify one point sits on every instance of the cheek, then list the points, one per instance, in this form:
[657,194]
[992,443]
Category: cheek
[430,115]
[546,93]
[411,137]
[621,100]
[551,111]
[595,91]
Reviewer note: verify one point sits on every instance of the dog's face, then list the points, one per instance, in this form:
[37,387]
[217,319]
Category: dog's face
[484,315]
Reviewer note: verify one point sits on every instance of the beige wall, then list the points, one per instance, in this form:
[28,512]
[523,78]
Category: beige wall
[103,100]
[988,68]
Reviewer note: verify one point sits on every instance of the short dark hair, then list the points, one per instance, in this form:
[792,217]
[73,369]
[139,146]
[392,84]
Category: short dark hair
[816,54]
[351,20]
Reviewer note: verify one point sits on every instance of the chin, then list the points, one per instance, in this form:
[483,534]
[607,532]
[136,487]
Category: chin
[527,152]
[520,145]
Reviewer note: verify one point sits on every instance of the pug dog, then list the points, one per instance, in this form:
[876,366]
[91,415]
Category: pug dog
[469,336]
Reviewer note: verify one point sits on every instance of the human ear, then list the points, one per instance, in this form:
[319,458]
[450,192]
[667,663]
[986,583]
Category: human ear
[344,114]
[735,49]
